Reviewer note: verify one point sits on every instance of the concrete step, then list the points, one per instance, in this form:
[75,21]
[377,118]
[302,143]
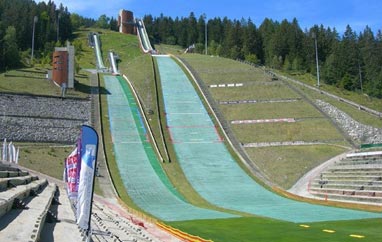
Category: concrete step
[7,167]
[9,196]
[10,182]
[4,174]
[361,177]
[347,198]
[63,227]
[114,227]
[359,162]
[360,172]
[26,224]
[348,192]
[347,182]
[365,167]
[347,186]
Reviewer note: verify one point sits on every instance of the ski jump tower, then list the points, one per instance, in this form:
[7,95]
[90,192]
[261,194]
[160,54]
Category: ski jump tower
[126,23]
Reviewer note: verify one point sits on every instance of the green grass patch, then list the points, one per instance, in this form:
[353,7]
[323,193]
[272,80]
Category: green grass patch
[357,97]
[217,70]
[310,130]
[28,81]
[295,110]
[253,92]
[169,49]
[45,158]
[358,115]
[267,230]
[287,164]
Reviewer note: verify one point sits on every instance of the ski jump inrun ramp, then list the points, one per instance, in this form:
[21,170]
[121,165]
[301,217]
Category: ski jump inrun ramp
[143,36]
[97,45]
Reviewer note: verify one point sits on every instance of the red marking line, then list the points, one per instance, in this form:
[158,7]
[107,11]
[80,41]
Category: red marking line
[217,133]
[171,138]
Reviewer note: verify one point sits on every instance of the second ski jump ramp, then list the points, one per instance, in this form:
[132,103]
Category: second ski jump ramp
[143,37]
[113,63]
[97,44]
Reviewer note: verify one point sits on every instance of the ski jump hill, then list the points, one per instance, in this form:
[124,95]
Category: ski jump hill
[204,158]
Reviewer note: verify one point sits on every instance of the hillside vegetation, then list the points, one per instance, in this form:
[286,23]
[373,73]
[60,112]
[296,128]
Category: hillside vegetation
[274,161]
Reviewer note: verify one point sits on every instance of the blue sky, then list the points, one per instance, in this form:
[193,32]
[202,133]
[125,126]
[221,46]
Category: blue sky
[330,13]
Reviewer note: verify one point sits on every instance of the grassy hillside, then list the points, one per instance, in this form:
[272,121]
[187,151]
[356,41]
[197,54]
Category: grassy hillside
[284,164]
[310,126]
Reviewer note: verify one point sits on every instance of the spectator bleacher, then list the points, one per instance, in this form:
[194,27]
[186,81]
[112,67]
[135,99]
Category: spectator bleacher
[29,205]
[357,178]
[112,226]
[34,209]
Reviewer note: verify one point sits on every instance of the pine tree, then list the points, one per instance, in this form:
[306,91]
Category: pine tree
[11,52]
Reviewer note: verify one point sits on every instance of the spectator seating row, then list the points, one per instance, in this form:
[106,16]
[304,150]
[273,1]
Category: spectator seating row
[29,206]
[354,179]
[111,226]
[33,209]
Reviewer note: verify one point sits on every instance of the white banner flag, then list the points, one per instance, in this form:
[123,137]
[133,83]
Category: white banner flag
[85,187]
[89,148]
[17,155]
[10,151]
[5,150]
[14,153]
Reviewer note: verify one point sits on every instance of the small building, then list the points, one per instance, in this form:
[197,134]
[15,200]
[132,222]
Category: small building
[126,22]
[63,66]
[60,67]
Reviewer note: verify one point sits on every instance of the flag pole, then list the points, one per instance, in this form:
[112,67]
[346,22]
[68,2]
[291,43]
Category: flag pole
[92,194]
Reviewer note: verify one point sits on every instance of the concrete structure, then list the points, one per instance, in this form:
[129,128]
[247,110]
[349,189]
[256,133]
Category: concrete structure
[126,23]
[60,67]
[63,66]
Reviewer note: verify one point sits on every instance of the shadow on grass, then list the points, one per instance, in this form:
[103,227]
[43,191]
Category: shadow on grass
[41,71]
[25,76]
[88,89]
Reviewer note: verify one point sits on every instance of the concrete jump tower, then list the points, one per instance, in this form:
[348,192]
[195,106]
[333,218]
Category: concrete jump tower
[63,66]
[126,23]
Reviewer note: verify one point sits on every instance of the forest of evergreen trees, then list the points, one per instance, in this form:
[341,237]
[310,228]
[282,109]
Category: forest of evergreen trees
[352,61]
[54,26]
[16,26]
